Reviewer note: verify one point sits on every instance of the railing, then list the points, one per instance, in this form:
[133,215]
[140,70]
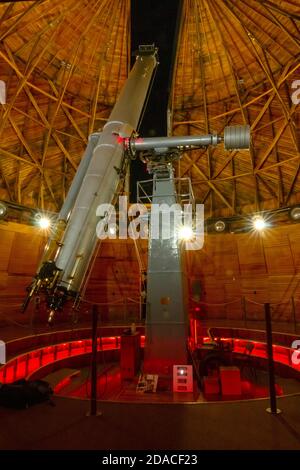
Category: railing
[24,365]
[282,354]
[247,311]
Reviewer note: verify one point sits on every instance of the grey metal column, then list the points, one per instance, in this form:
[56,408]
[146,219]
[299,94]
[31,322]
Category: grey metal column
[166,320]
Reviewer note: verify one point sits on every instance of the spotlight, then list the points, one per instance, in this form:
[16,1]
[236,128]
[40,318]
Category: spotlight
[294,213]
[43,221]
[258,223]
[186,233]
[3,210]
[220,226]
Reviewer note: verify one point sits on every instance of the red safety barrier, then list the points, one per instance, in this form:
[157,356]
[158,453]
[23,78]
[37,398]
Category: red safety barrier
[25,364]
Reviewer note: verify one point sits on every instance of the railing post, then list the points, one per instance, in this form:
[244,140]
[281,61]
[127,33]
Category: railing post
[244,310]
[273,409]
[125,310]
[294,314]
[93,409]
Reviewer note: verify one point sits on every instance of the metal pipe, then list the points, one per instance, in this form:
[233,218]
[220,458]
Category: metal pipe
[149,143]
[235,137]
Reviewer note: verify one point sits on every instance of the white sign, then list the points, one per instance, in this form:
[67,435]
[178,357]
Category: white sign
[2,352]
[296,94]
[296,353]
[2,92]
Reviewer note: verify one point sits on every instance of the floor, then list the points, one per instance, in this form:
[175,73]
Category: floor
[110,386]
[232,426]
[154,426]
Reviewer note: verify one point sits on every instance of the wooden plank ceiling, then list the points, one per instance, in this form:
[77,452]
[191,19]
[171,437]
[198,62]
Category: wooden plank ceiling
[235,65]
[64,63]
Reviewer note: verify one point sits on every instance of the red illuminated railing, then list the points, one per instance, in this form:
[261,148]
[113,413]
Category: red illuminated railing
[281,354]
[24,365]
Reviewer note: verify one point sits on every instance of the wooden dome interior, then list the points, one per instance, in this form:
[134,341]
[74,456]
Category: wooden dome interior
[65,62]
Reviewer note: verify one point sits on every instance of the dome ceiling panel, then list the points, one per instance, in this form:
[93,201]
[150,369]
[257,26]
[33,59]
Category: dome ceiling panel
[236,62]
[64,63]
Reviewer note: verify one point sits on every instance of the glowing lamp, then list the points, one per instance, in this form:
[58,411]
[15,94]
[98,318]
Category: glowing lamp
[220,226]
[258,223]
[3,209]
[186,233]
[43,221]
[294,213]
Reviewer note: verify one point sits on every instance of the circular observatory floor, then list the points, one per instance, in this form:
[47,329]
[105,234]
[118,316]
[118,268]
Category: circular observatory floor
[194,421]
[76,383]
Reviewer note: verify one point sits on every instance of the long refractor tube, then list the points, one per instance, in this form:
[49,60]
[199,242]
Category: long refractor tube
[54,242]
[101,179]
[73,240]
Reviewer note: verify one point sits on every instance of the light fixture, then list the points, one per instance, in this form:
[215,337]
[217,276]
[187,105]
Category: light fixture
[3,210]
[186,233]
[259,223]
[220,226]
[294,213]
[43,221]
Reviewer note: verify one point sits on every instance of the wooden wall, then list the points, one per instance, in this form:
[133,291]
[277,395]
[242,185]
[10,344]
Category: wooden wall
[20,249]
[252,267]
[116,276]
[256,267]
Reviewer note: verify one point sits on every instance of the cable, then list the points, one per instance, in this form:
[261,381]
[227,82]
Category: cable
[218,305]
[123,299]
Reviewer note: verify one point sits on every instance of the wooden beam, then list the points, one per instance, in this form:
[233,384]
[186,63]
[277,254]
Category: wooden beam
[252,101]
[6,153]
[212,186]
[280,10]
[198,18]
[280,186]
[100,68]
[293,182]
[69,115]
[279,24]
[13,27]
[40,90]
[46,123]
[275,140]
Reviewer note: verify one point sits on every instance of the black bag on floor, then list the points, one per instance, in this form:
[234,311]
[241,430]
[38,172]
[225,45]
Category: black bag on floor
[23,393]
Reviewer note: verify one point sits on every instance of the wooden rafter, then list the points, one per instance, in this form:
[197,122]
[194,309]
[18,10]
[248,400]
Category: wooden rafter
[257,54]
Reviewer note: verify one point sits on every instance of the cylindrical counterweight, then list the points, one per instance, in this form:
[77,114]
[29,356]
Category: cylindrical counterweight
[101,179]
